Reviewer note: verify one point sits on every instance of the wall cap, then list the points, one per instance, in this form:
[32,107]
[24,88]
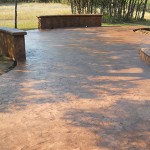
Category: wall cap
[13,31]
[96,15]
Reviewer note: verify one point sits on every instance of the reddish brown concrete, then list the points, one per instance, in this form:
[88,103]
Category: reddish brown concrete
[80,89]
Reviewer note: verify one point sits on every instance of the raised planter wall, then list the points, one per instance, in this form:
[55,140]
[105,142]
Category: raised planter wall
[145,55]
[12,43]
[63,21]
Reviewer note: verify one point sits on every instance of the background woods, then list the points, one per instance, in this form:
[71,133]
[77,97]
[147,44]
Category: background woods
[112,9]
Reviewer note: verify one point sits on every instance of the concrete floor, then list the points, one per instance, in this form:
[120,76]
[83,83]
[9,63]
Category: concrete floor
[80,89]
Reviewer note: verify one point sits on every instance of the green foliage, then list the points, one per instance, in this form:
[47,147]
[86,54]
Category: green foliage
[114,9]
[41,1]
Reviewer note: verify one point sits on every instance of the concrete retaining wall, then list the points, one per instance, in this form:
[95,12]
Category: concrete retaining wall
[145,55]
[12,43]
[62,21]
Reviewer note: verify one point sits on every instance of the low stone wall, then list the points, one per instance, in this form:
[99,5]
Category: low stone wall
[62,21]
[145,55]
[12,43]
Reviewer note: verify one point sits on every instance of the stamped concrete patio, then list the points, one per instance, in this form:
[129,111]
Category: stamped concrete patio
[80,89]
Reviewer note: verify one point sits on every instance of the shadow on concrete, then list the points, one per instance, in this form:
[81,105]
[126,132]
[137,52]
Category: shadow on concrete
[80,63]
[117,126]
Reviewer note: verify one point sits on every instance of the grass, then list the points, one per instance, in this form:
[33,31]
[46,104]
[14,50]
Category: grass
[132,23]
[27,13]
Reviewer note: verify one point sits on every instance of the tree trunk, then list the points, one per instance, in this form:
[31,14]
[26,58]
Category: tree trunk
[144,9]
[129,9]
[15,13]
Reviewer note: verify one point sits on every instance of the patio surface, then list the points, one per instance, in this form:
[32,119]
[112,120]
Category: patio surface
[80,89]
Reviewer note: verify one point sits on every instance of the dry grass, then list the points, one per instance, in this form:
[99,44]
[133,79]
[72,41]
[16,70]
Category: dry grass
[27,13]
[147,15]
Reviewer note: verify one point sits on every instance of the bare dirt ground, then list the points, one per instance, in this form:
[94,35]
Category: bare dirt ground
[80,89]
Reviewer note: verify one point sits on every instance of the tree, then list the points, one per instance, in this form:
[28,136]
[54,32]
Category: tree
[144,9]
[113,9]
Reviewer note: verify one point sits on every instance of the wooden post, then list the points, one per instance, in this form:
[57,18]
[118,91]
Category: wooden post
[16,14]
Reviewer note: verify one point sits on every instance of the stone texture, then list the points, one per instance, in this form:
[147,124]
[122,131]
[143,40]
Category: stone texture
[80,89]
[145,55]
[12,44]
[12,31]
[62,21]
